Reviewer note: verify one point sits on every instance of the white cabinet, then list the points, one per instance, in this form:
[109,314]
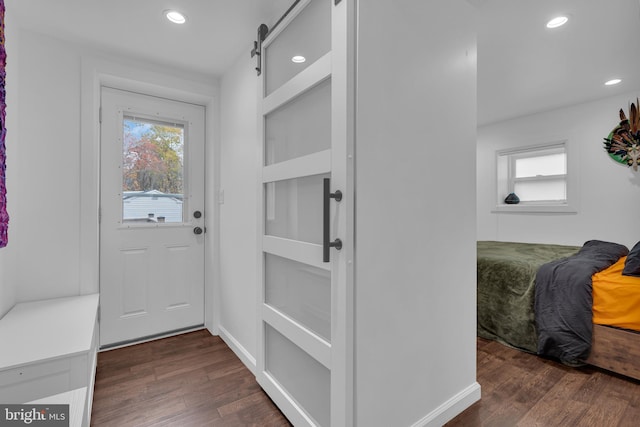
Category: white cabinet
[75,399]
[49,347]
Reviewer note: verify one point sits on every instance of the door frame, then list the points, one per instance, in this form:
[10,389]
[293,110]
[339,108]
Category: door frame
[98,72]
[150,248]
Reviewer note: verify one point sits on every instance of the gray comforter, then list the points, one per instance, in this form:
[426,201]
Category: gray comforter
[563,301]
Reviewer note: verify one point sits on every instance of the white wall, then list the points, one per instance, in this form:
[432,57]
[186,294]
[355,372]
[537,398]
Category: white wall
[415,212]
[44,225]
[608,193]
[7,289]
[238,222]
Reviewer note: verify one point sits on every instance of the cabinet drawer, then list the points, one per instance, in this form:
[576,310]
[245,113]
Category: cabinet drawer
[45,378]
[25,383]
[27,373]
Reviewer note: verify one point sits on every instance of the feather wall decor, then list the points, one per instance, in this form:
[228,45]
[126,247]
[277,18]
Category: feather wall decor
[623,142]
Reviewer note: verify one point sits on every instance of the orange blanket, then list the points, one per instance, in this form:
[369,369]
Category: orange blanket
[616,298]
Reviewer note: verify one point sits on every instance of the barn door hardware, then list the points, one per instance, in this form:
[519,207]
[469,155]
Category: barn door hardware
[326,225]
[263,30]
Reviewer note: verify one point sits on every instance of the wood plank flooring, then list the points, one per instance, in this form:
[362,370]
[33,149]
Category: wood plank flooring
[521,389]
[195,380]
[188,380]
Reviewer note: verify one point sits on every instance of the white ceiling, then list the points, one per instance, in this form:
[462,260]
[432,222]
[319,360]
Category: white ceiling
[216,33]
[522,67]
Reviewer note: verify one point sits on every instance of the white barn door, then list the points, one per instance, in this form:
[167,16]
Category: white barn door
[304,306]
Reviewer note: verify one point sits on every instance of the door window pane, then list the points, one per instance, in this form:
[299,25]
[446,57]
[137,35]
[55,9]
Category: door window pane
[300,291]
[303,377]
[294,208]
[308,37]
[300,127]
[152,171]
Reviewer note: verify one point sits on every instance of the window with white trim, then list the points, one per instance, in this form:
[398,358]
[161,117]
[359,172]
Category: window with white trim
[538,176]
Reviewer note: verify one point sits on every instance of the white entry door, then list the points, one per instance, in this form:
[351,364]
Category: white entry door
[151,216]
[305,298]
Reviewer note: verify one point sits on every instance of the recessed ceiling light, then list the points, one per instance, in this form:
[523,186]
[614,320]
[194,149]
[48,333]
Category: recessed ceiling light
[558,21]
[613,82]
[175,16]
[298,59]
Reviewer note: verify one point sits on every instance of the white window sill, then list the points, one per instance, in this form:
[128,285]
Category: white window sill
[525,208]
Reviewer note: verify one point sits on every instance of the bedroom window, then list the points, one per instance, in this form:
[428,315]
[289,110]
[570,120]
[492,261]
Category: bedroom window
[538,176]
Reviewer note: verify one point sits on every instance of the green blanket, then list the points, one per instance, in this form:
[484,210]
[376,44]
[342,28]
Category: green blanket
[506,278]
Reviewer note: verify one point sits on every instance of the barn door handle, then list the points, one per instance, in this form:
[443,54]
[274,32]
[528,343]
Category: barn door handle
[326,226]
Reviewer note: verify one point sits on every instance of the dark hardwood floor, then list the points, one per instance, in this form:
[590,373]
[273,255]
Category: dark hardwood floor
[520,389]
[195,380]
[187,380]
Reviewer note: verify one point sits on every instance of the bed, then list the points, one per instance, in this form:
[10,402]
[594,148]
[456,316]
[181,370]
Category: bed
[507,273]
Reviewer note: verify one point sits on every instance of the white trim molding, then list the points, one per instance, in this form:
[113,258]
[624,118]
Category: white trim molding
[239,350]
[97,72]
[503,179]
[452,407]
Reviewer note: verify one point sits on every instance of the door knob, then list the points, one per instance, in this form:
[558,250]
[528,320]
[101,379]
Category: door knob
[198,230]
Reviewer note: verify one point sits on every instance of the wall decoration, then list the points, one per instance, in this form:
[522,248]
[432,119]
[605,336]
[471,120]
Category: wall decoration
[623,142]
[4,216]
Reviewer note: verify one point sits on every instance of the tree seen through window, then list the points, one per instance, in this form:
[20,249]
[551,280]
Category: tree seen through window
[152,171]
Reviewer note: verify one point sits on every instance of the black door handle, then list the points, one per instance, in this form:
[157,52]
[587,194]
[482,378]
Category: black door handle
[197,230]
[326,226]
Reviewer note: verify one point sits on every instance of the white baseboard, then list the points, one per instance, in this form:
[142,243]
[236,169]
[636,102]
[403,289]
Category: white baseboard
[238,349]
[436,418]
[452,407]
